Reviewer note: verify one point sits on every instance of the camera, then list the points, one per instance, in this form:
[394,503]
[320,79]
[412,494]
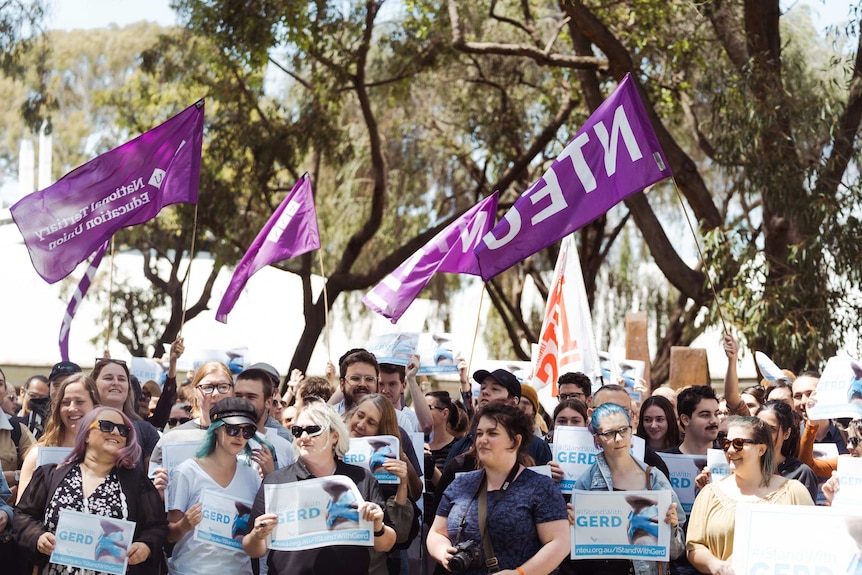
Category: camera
[467,556]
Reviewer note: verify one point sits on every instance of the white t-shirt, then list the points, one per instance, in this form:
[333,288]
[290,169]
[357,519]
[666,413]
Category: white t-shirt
[407,419]
[191,557]
[284,454]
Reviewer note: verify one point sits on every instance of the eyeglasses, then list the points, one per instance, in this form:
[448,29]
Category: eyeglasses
[248,431]
[854,442]
[178,420]
[109,426]
[565,396]
[311,430]
[357,379]
[111,360]
[210,388]
[738,443]
[612,434]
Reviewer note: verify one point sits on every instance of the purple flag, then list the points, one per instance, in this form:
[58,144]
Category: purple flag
[77,298]
[65,223]
[450,251]
[291,231]
[614,155]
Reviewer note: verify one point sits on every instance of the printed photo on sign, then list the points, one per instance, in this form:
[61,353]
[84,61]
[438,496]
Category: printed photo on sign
[54,455]
[175,453]
[716,460]
[779,539]
[225,520]
[839,390]
[621,525]
[575,451]
[92,542]
[438,353]
[683,470]
[371,453]
[394,348]
[316,513]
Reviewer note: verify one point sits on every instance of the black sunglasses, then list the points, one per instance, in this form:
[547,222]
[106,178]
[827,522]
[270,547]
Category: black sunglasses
[248,431]
[853,442]
[111,360]
[109,426]
[311,430]
[738,443]
[178,420]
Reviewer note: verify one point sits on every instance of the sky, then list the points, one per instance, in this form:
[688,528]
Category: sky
[71,14]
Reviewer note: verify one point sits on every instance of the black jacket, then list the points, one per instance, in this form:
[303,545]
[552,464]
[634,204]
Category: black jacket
[144,504]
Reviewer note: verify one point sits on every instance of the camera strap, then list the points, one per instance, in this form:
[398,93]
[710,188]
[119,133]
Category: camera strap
[491,561]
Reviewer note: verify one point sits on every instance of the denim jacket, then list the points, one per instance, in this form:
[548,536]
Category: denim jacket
[598,478]
[5,493]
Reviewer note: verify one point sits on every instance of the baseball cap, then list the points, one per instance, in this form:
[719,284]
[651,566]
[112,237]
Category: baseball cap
[63,369]
[234,411]
[505,378]
[257,369]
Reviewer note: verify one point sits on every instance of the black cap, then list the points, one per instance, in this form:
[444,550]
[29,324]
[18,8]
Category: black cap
[63,369]
[234,411]
[257,369]
[505,378]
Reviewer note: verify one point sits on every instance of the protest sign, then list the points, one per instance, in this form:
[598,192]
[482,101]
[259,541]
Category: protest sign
[318,512]
[575,451]
[394,348]
[235,358]
[438,353]
[225,520]
[371,452]
[850,480]
[621,525]
[94,542]
[683,469]
[542,470]
[53,455]
[839,391]
[795,539]
[717,463]
[175,453]
[146,369]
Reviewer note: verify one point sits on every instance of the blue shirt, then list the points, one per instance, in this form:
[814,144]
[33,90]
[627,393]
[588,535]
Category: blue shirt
[512,515]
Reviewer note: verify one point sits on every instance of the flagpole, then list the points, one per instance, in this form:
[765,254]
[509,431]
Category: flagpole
[189,271]
[110,298]
[325,303]
[700,253]
[476,330]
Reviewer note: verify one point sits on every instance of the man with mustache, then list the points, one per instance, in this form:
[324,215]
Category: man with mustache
[360,373]
[697,407]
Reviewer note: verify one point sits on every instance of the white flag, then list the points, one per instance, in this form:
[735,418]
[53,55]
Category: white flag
[566,342]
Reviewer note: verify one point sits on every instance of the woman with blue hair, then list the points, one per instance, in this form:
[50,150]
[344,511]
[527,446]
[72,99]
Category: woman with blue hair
[616,469]
[233,423]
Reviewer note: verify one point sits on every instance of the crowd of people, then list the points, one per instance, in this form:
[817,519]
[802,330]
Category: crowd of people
[476,502]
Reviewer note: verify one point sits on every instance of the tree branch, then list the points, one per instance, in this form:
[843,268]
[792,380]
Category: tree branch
[843,148]
[520,50]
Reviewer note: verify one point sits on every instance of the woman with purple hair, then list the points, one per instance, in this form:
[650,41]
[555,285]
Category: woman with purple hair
[99,477]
